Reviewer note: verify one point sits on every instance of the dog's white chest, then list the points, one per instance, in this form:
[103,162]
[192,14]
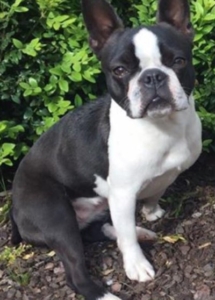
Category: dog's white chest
[147,155]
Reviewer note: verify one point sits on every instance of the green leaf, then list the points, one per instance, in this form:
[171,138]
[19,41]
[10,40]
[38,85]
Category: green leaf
[53,79]
[77,67]
[56,26]
[34,42]
[52,107]
[88,76]
[6,161]
[78,100]
[61,18]
[17,43]
[28,113]
[27,93]
[37,90]
[206,143]
[16,3]
[209,17]
[3,15]
[63,84]
[30,52]
[50,122]
[24,85]
[64,103]
[33,82]
[3,126]
[198,37]
[7,148]
[48,87]
[68,22]
[75,76]
[56,71]
[199,8]
[21,9]
[172,239]
[50,22]
[66,68]
[16,98]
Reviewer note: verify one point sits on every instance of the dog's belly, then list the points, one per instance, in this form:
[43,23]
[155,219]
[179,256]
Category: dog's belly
[89,209]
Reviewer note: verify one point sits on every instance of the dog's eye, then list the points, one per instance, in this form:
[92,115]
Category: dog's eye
[119,71]
[179,62]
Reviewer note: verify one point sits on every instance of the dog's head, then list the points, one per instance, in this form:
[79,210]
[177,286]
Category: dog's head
[148,69]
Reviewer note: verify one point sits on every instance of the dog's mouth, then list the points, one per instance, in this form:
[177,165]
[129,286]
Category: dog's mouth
[159,107]
[158,103]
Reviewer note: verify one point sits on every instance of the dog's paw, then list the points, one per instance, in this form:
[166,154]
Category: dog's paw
[144,234]
[137,266]
[109,296]
[109,231]
[156,214]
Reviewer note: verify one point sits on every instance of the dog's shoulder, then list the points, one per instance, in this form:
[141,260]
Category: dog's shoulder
[89,120]
[85,120]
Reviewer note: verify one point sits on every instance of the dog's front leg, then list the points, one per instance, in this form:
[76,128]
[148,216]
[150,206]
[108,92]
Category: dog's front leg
[122,207]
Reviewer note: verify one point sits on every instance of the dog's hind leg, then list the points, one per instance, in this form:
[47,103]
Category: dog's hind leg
[51,220]
[15,237]
[151,209]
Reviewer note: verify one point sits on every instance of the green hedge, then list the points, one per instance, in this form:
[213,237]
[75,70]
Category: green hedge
[45,62]
[47,68]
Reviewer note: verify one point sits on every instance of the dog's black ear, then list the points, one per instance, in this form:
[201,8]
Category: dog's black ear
[101,21]
[177,14]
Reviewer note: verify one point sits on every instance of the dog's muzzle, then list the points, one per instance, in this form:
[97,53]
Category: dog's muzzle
[157,100]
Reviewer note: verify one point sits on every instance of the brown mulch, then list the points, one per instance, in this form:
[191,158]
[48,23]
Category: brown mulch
[183,257]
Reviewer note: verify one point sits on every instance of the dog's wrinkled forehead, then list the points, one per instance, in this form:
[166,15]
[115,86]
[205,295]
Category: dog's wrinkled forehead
[146,48]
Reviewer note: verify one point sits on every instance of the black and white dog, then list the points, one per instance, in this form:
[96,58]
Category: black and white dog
[131,144]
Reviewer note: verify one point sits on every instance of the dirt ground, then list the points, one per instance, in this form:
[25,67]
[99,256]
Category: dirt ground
[183,256]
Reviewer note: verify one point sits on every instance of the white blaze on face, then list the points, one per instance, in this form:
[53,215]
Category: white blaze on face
[146,49]
[149,55]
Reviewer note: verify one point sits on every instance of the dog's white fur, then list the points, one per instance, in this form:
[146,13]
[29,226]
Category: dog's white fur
[109,296]
[146,49]
[145,156]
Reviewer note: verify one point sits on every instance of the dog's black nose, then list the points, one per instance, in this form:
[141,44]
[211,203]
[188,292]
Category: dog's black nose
[152,78]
